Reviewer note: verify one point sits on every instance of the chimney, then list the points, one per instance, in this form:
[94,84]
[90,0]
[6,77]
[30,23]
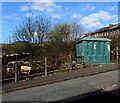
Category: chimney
[110,25]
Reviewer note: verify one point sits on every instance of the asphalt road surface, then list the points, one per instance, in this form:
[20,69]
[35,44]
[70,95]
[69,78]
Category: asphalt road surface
[66,89]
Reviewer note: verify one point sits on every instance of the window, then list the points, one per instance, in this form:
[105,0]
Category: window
[107,33]
[114,32]
[102,34]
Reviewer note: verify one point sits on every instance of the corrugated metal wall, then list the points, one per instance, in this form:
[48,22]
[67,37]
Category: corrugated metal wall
[94,51]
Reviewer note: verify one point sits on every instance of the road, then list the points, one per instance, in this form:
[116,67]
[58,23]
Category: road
[66,89]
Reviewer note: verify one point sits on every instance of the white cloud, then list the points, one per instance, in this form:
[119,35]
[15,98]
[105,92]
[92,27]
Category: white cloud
[26,7]
[96,24]
[116,19]
[66,9]
[113,8]
[13,16]
[6,17]
[94,19]
[105,16]
[49,10]
[76,16]
[55,16]
[92,8]
[47,7]
[88,7]
[41,6]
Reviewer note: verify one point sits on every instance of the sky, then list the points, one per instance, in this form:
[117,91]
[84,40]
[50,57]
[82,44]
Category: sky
[92,15]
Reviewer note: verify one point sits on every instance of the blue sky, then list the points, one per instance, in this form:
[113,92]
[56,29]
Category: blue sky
[92,15]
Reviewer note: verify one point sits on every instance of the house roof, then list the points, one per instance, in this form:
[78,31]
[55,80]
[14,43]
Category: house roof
[93,39]
[110,27]
[115,26]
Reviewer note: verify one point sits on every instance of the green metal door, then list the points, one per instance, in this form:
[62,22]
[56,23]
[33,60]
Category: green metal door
[89,51]
[96,52]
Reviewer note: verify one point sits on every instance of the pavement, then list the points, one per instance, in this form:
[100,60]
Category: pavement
[59,77]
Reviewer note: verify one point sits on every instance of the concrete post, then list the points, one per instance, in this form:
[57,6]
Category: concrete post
[117,53]
[70,61]
[45,66]
[16,76]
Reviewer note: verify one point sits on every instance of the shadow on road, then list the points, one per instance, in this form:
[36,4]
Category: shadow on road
[92,97]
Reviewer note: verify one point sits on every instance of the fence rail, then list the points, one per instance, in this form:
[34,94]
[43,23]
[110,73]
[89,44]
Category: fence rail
[36,74]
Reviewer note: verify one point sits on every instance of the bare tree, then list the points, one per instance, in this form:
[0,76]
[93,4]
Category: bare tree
[25,30]
[76,31]
[43,28]
[32,31]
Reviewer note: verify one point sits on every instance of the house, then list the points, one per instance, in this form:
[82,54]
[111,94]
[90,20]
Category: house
[106,32]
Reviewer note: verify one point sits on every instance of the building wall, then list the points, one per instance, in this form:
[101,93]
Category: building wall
[106,34]
[94,51]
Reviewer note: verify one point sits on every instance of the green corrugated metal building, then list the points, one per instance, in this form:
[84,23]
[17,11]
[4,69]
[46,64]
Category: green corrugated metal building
[94,50]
